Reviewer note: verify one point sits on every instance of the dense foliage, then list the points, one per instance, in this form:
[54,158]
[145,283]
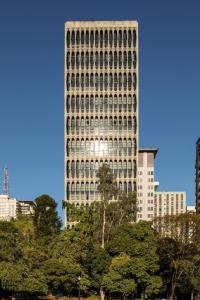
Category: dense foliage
[137,260]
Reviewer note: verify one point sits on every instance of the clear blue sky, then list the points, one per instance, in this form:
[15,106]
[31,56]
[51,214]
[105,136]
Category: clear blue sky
[31,88]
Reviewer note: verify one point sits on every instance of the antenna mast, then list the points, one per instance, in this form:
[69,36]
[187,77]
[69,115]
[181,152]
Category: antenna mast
[6,187]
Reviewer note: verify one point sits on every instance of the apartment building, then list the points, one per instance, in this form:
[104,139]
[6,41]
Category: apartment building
[10,207]
[169,203]
[25,207]
[101,106]
[146,183]
[7,208]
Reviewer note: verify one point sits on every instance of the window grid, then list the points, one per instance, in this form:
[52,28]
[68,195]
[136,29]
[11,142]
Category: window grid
[100,109]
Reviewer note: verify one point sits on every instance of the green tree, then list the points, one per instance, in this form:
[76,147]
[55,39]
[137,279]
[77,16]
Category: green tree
[20,256]
[9,250]
[178,249]
[119,281]
[121,211]
[87,218]
[45,217]
[107,187]
[24,279]
[138,242]
[96,265]
[66,254]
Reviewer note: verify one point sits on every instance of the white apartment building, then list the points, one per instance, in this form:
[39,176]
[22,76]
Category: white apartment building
[146,183]
[8,208]
[169,203]
[153,204]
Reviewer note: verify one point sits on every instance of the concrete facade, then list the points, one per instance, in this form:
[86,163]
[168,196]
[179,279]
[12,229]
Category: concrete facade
[169,203]
[8,208]
[101,106]
[146,183]
[25,207]
[197,167]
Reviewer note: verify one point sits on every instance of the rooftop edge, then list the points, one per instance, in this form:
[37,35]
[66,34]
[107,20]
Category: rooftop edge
[84,24]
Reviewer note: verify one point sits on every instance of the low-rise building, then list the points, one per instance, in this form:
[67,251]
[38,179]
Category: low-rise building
[169,203]
[25,207]
[8,208]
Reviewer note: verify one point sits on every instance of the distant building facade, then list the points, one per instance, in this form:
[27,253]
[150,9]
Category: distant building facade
[151,203]
[146,183]
[169,203]
[8,208]
[101,106]
[197,166]
[25,207]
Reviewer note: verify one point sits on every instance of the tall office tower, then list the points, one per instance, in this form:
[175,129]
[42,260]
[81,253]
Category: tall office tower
[101,106]
[198,176]
[146,183]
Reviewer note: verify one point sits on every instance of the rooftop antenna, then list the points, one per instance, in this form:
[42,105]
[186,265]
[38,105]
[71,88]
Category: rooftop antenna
[6,187]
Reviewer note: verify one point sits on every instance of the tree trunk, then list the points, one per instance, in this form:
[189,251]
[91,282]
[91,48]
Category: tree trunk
[102,294]
[103,227]
[192,295]
[173,287]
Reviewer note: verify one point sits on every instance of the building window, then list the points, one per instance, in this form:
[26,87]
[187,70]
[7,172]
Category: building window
[106,38]
[125,38]
[77,60]
[87,38]
[87,60]
[110,59]
[77,38]
[101,39]
[129,38]
[120,38]
[92,38]
[96,38]
[134,38]
[73,38]
[110,38]
[101,59]
[115,38]
[82,38]
[68,39]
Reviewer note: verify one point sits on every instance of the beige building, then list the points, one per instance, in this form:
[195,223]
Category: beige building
[197,166]
[146,183]
[25,207]
[7,208]
[152,204]
[169,203]
[101,106]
